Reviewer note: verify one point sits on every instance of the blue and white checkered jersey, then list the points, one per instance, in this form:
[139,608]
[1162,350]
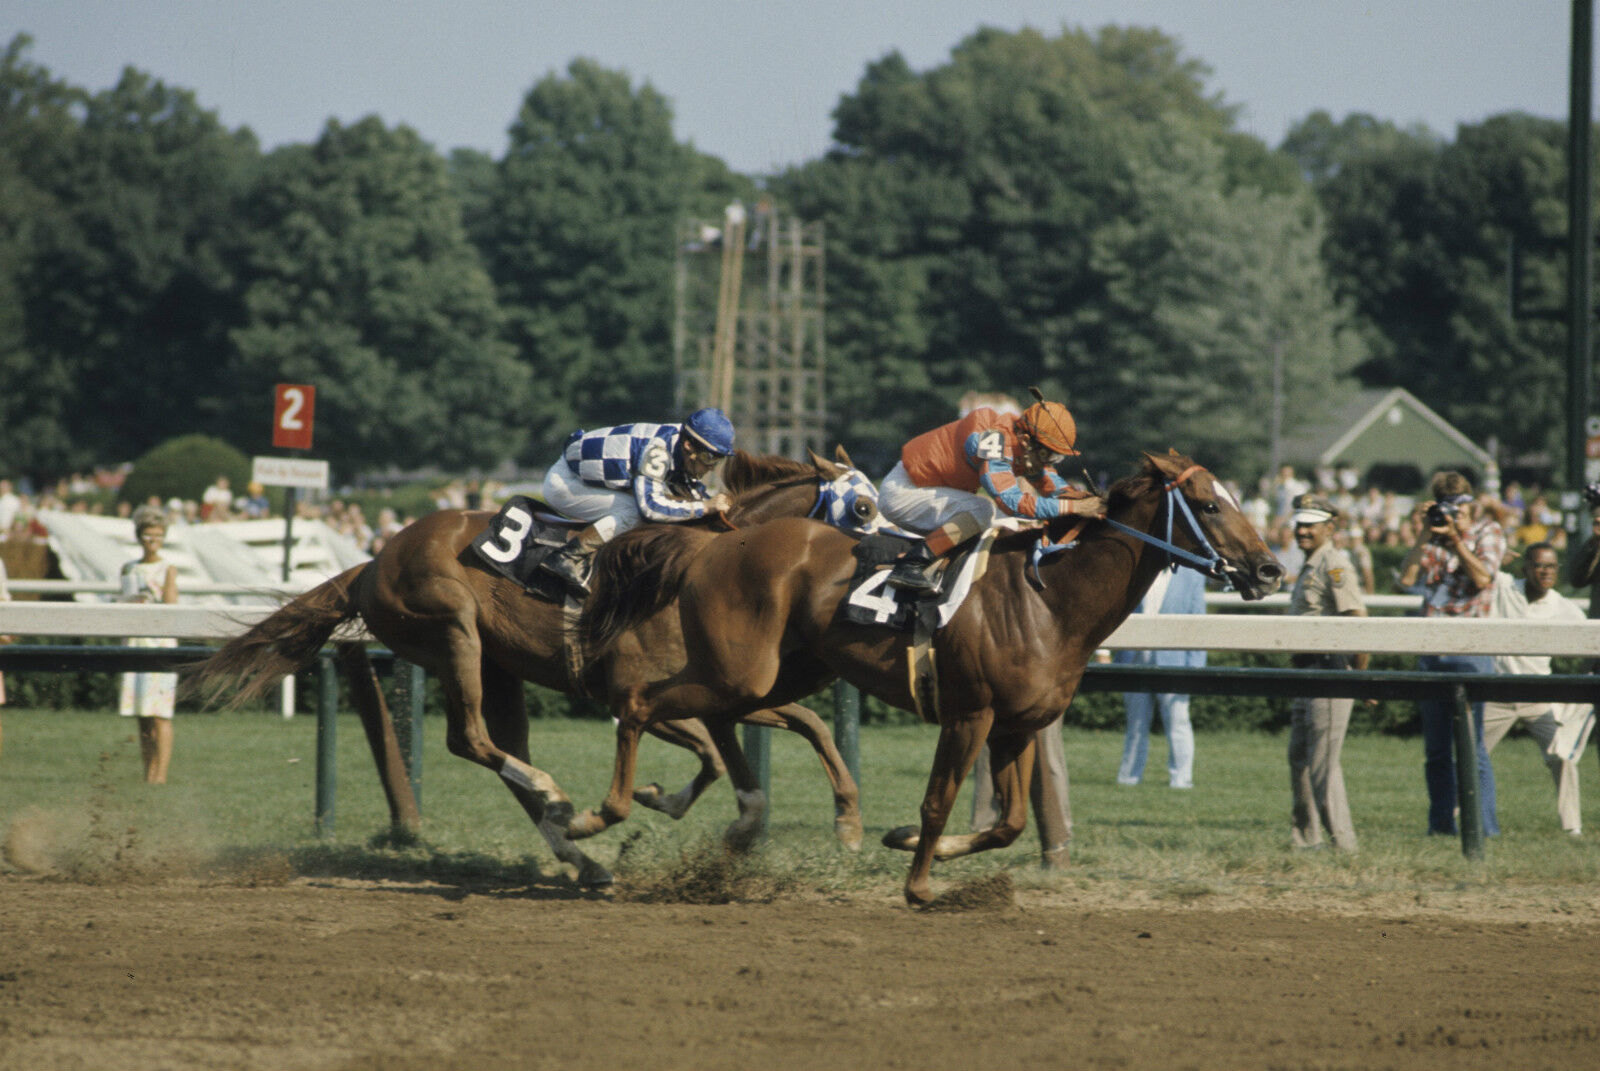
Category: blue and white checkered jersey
[641,457]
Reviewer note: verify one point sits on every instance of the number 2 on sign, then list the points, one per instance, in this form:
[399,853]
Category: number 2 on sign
[294,400]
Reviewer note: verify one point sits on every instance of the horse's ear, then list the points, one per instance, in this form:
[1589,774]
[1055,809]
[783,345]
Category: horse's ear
[828,469]
[841,457]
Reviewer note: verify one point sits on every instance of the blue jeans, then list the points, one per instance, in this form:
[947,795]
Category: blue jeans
[1136,740]
[1439,748]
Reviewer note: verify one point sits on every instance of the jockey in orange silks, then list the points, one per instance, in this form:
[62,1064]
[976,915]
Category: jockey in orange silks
[934,489]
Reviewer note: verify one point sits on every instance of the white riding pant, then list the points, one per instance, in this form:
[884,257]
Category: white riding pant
[571,497]
[922,509]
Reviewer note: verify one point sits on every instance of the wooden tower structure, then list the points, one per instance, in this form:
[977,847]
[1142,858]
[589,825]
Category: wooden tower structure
[748,326]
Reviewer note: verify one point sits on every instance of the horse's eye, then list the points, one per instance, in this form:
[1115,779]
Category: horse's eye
[864,509]
[1210,507]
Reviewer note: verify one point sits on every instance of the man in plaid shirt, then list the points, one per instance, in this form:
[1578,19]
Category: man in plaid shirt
[1457,553]
[618,477]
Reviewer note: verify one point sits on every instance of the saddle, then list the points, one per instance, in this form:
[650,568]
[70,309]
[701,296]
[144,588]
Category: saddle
[519,542]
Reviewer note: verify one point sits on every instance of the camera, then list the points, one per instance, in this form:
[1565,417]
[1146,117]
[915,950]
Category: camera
[1591,495]
[1441,514]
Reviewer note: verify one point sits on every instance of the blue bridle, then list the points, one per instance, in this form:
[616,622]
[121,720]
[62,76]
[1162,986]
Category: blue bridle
[1176,555]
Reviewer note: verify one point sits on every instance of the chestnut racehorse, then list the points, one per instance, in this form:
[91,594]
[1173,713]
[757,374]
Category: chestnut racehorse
[428,597]
[761,614]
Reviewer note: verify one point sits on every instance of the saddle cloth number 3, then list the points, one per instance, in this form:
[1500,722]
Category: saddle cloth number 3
[513,528]
[870,597]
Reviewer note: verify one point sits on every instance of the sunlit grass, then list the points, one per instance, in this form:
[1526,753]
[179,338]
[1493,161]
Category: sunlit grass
[243,787]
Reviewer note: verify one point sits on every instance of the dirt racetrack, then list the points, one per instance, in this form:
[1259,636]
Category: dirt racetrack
[293,972]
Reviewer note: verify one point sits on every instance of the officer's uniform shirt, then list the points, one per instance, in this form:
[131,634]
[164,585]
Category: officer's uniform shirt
[1327,586]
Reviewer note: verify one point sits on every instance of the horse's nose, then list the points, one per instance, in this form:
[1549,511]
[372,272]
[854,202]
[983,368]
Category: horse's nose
[1269,573]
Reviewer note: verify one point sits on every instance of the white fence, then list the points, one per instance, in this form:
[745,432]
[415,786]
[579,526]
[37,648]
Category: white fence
[1213,632]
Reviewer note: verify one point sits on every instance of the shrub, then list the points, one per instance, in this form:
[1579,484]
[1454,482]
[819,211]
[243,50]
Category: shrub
[183,468]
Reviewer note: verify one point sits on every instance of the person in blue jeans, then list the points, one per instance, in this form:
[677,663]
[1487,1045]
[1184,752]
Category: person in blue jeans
[1457,552]
[1181,592]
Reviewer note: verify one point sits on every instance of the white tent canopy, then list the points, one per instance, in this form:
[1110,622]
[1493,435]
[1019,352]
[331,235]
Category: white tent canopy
[244,554]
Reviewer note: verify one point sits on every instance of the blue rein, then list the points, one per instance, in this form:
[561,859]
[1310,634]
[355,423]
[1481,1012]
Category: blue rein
[1176,555]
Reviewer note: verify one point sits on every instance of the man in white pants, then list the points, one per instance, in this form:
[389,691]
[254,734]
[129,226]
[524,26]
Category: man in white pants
[1562,729]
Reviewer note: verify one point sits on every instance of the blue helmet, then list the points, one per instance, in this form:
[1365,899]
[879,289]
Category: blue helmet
[712,428]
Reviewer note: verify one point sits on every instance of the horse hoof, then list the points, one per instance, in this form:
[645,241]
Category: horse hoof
[650,796]
[585,825]
[919,895]
[740,840]
[594,876]
[903,839]
[848,831]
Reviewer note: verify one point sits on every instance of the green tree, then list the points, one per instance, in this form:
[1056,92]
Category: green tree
[127,289]
[1418,233]
[578,235]
[1074,212]
[359,279]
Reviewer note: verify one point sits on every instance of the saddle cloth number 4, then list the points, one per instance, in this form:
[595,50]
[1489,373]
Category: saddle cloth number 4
[871,597]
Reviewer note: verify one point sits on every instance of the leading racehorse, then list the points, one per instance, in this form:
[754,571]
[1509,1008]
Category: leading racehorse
[428,598]
[763,624]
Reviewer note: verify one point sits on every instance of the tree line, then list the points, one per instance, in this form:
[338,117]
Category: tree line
[1078,211]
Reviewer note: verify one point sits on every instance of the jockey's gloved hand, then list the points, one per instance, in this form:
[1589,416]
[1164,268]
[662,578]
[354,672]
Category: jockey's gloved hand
[1093,506]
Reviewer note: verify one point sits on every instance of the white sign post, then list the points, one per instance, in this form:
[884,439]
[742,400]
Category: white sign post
[293,473]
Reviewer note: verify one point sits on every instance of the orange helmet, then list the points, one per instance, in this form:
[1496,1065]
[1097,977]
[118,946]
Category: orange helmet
[1051,426]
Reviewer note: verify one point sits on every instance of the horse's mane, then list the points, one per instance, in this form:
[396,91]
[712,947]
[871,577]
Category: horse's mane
[635,574]
[742,471]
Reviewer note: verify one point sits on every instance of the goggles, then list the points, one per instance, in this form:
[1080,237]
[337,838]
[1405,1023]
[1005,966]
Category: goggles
[698,452]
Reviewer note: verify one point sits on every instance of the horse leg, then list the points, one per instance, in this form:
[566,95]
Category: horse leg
[741,835]
[461,674]
[1011,766]
[619,799]
[379,726]
[506,718]
[846,796]
[958,747]
[690,734]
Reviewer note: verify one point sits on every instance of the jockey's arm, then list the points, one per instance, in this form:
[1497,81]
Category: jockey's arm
[655,498]
[1015,495]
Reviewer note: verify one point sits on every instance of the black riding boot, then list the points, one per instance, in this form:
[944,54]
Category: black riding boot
[574,562]
[911,571]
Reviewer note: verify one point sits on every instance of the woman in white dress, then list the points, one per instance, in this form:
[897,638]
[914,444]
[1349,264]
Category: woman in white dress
[150,696]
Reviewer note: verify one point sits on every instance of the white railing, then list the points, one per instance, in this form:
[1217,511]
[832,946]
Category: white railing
[1213,632]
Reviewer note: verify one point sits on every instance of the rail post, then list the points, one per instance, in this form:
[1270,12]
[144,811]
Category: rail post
[847,727]
[410,682]
[757,745]
[1467,777]
[327,751]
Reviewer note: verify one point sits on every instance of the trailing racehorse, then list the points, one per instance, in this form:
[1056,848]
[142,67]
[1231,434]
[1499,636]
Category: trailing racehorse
[428,597]
[762,618]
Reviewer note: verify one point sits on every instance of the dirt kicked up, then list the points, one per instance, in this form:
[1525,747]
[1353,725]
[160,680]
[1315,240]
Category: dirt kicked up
[285,972]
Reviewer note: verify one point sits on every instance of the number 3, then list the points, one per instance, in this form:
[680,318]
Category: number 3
[512,533]
[655,464]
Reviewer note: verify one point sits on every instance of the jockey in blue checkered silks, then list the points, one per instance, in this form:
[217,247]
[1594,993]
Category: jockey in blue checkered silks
[617,477]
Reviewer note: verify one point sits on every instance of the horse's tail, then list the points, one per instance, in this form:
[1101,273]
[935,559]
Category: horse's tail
[287,641]
[635,574]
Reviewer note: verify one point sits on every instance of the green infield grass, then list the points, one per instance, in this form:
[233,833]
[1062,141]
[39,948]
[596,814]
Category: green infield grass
[242,789]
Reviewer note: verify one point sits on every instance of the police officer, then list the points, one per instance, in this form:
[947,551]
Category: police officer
[1328,585]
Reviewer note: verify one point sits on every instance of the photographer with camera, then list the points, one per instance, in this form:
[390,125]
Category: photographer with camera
[1584,569]
[1454,560]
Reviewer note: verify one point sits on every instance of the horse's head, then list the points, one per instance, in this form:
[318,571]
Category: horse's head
[765,488]
[846,499]
[1204,519]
